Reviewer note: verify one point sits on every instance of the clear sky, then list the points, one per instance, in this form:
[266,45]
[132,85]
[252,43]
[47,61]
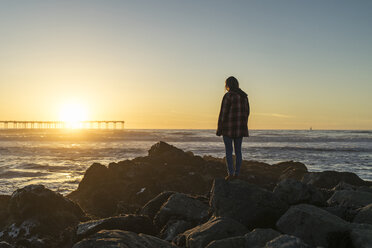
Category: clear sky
[162,64]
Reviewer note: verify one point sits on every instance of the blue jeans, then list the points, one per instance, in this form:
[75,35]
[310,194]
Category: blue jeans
[238,154]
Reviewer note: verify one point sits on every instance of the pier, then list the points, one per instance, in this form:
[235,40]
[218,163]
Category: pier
[61,125]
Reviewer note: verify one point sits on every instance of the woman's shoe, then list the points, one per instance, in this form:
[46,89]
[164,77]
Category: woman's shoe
[228,177]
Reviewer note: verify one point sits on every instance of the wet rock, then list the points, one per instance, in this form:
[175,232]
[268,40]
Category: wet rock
[175,227]
[118,238]
[329,179]
[350,198]
[215,229]
[315,226]
[293,192]
[344,186]
[152,207]
[40,217]
[259,237]
[181,206]
[249,204]
[364,215]
[287,241]
[164,150]
[132,223]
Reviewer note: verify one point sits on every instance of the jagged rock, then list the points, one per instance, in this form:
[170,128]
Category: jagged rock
[152,207]
[181,206]
[246,203]
[350,198]
[329,179]
[286,241]
[125,239]
[364,215]
[132,223]
[293,192]
[259,237]
[173,228]
[315,226]
[214,229]
[40,217]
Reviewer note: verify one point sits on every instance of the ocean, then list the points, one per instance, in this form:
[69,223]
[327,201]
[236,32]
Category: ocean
[58,158]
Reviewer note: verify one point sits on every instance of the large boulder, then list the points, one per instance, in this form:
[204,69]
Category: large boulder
[315,226]
[125,239]
[41,217]
[350,198]
[294,192]
[249,204]
[132,223]
[364,215]
[286,241]
[290,169]
[152,207]
[181,206]
[214,229]
[329,179]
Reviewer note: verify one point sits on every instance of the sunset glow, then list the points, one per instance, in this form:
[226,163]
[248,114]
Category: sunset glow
[73,114]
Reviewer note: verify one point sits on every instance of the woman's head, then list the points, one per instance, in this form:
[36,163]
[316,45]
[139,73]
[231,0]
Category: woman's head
[231,83]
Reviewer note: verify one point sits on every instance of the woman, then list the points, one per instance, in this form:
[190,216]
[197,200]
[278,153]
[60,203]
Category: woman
[233,124]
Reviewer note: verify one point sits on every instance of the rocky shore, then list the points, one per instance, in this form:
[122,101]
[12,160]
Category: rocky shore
[172,198]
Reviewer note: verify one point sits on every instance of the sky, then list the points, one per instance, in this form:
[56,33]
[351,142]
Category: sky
[162,64]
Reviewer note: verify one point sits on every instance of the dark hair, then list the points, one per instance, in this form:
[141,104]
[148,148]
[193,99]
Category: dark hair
[231,83]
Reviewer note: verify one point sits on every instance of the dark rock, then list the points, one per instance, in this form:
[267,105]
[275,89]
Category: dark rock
[290,169]
[4,214]
[293,192]
[259,237]
[329,179]
[234,242]
[344,186]
[246,203]
[40,217]
[350,198]
[4,244]
[132,223]
[152,207]
[164,150]
[286,241]
[343,212]
[255,239]
[125,239]
[173,228]
[214,229]
[315,226]
[181,206]
[364,215]
[361,238]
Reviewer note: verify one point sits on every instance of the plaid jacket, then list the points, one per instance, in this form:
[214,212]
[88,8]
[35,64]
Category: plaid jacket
[233,118]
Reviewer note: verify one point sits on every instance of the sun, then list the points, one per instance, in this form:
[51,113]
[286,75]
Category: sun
[73,114]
